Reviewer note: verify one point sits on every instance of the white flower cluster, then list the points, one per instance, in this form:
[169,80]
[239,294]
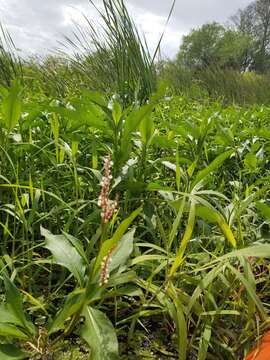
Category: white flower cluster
[103,200]
[105,273]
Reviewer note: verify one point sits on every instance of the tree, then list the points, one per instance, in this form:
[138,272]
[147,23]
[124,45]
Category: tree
[243,19]
[214,45]
[254,20]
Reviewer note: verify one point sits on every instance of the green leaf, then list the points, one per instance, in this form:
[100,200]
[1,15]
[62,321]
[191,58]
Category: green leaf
[204,342]
[65,253]
[203,284]
[147,129]
[96,98]
[15,306]
[260,251]
[77,245]
[100,335]
[181,324]
[251,292]
[213,216]
[11,352]
[12,331]
[186,237]
[227,232]
[116,112]
[178,169]
[208,215]
[144,258]
[211,167]
[12,107]
[8,316]
[122,251]
[73,304]
[110,244]
[264,210]
[132,123]
[134,119]
[176,224]
[122,278]
[250,161]
[90,116]
[192,167]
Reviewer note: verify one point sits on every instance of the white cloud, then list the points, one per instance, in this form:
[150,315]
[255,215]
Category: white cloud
[39,25]
[154,26]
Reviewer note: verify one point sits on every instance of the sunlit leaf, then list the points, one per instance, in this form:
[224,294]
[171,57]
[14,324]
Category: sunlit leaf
[65,253]
[100,335]
[12,107]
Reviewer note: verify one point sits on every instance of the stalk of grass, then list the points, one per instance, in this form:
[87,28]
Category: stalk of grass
[10,63]
[116,57]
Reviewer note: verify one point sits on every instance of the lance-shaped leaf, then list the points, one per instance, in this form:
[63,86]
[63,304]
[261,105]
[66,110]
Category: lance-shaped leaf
[186,237]
[263,209]
[110,244]
[13,331]
[15,307]
[65,253]
[218,161]
[147,129]
[122,251]
[132,123]
[100,335]
[8,316]
[72,305]
[11,352]
[214,216]
[12,107]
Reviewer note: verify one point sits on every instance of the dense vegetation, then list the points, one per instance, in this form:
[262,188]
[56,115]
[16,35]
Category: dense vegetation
[134,221]
[229,61]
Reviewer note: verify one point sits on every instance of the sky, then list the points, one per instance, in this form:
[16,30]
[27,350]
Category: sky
[38,26]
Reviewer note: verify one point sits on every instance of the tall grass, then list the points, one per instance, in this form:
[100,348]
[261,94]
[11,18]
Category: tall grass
[114,56]
[10,62]
[216,83]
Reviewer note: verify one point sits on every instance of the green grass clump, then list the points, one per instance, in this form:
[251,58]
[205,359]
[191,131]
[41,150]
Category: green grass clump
[113,56]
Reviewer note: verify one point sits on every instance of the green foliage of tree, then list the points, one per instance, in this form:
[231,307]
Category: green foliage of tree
[214,45]
[254,20]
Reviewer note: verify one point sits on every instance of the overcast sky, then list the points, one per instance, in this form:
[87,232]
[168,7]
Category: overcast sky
[37,25]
